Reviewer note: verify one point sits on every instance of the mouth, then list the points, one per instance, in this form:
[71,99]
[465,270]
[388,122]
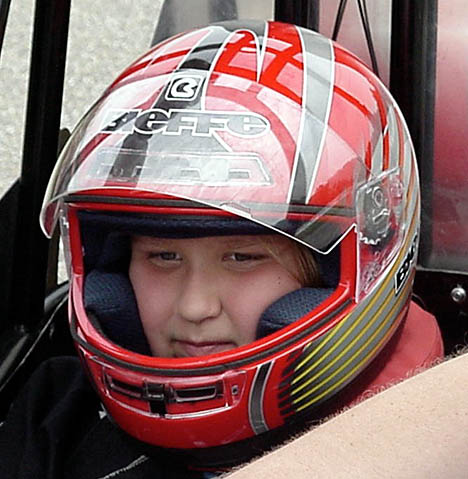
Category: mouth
[187,349]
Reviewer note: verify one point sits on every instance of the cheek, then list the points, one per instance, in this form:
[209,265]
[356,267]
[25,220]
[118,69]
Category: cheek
[153,297]
[272,283]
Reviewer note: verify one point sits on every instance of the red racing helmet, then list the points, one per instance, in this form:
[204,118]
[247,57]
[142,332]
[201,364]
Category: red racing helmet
[239,127]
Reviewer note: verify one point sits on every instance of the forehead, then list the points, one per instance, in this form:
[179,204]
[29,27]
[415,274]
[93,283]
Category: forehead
[211,241]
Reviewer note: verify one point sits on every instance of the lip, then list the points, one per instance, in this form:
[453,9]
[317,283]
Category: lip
[196,349]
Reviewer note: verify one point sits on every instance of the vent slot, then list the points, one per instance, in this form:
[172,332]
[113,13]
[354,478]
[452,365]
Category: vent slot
[202,393]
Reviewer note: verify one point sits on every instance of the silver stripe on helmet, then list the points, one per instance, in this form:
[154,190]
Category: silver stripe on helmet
[318,57]
[394,139]
[257,392]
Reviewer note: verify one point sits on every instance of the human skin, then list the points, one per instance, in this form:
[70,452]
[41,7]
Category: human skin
[202,296]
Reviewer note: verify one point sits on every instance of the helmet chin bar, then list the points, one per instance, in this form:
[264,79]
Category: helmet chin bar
[171,403]
[171,397]
[178,397]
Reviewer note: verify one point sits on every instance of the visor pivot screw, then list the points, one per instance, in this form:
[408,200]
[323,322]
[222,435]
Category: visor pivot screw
[458,294]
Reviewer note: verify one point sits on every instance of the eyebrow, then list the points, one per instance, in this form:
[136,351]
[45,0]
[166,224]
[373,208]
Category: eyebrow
[231,241]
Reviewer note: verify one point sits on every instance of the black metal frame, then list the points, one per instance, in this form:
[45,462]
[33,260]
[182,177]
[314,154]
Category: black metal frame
[412,81]
[305,13]
[26,259]
[30,258]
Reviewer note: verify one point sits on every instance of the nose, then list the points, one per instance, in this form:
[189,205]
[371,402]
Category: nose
[199,297]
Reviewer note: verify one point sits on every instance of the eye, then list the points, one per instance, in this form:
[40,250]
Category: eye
[168,256]
[240,257]
[244,260]
[164,257]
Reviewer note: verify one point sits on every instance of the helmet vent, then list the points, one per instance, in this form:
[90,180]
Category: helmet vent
[239,175]
[158,396]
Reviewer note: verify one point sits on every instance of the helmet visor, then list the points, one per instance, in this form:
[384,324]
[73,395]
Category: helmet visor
[239,161]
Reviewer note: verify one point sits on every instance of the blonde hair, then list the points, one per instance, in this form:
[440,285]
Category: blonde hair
[307,271]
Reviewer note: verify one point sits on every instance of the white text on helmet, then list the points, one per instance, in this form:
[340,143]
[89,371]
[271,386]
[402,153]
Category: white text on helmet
[174,122]
[405,267]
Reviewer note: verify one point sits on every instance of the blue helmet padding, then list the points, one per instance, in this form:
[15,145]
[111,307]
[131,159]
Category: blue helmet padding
[171,226]
[289,308]
[109,298]
[329,267]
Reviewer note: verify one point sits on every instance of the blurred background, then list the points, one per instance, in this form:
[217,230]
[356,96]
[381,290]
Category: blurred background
[99,48]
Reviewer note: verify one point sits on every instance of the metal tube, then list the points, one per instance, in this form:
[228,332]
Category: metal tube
[29,256]
[300,12]
[412,82]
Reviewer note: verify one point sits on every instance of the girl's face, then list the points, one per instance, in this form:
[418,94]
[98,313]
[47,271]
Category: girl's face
[206,295]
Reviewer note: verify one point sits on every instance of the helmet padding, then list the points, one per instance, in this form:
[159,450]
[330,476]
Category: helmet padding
[110,301]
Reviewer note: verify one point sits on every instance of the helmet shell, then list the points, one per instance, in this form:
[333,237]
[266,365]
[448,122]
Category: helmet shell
[278,125]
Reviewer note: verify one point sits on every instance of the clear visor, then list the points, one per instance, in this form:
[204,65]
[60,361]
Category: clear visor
[238,161]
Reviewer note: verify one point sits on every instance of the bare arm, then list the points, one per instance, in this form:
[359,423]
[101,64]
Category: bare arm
[416,429]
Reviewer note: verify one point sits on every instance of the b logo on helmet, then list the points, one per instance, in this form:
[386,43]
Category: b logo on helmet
[184,88]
